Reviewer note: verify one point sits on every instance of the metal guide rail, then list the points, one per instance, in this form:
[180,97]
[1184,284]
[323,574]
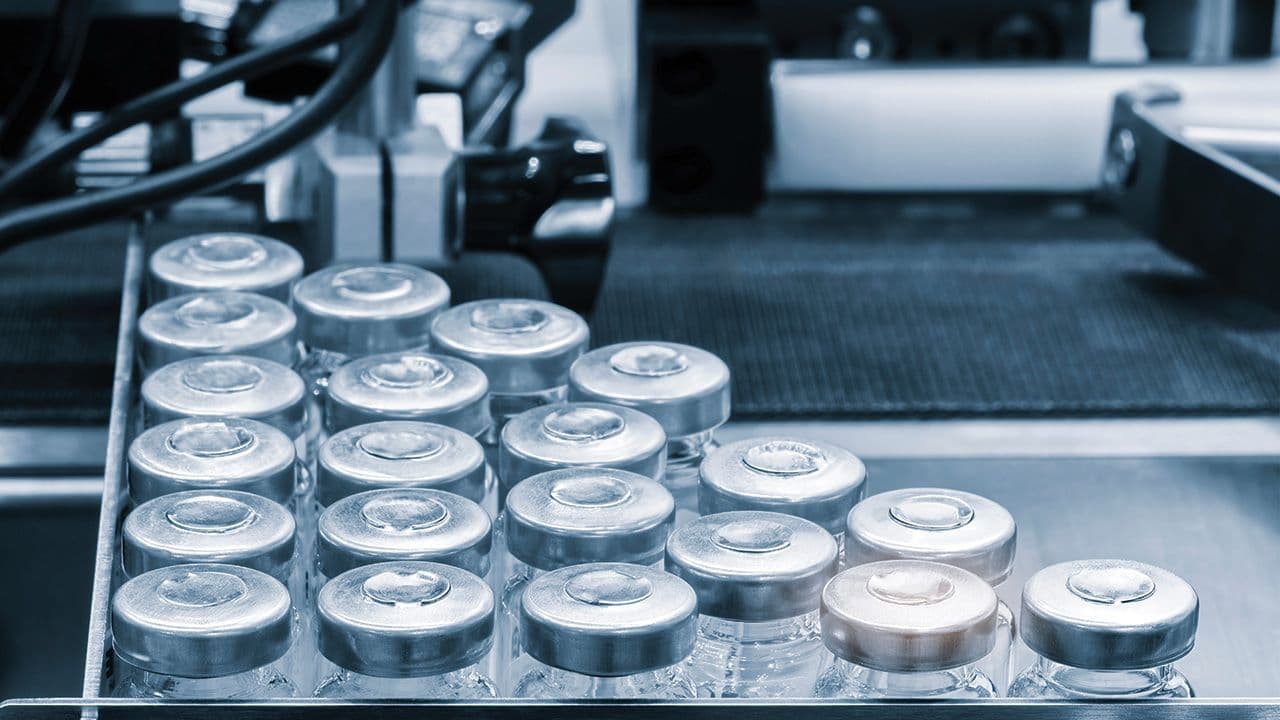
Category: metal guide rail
[1207,516]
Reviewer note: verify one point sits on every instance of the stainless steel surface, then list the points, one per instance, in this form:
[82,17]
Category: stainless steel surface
[393,454]
[523,346]
[34,450]
[686,389]
[947,526]
[580,515]
[905,616]
[385,106]
[794,475]
[408,385]
[753,566]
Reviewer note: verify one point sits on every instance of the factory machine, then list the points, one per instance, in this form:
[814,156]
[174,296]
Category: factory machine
[640,358]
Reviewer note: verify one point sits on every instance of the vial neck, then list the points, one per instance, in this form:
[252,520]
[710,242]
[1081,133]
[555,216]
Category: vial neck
[1106,683]
[504,406]
[802,628]
[907,684]
[458,683]
[690,449]
[250,683]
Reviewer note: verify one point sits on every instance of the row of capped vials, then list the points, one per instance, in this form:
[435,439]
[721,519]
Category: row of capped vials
[344,535]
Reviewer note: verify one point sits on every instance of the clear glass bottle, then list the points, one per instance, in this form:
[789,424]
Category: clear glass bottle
[401,454]
[216,323]
[606,631]
[946,526]
[684,388]
[213,454]
[1106,629]
[202,631]
[574,516]
[352,311]
[218,526]
[411,386]
[405,630]
[216,386]
[524,348]
[224,261]
[759,579]
[907,629]
[816,481]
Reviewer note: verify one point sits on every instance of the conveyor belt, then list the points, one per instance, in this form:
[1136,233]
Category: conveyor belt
[927,309]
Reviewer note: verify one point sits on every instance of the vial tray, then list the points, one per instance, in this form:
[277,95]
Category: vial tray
[1212,518]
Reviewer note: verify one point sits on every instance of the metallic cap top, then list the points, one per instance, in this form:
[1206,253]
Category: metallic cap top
[360,310]
[404,524]
[217,323]
[753,566]
[946,526]
[523,346]
[399,454]
[224,261]
[405,619]
[608,619]
[408,386]
[580,435]
[581,515]
[209,526]
[1109,615]
[684,388]
[908,616]
[212,454]
[227,386]
[813,480]
[201,621]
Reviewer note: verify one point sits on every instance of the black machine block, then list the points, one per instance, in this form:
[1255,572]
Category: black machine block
[704,72]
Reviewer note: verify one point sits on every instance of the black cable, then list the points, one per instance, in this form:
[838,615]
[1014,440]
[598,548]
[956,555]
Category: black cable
[40,95]
[169,98]
[353,72]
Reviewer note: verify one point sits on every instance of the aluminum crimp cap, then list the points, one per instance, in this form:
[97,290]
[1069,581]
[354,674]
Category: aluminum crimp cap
[753,566]
[227,386]
[581,515]
[608,619]
[909,616]
[946,526]
[523,346]
[212,454]
[224,261]
[580,435]
[201,621]
[813,480]
[361,310]
[209,526]
[404,524]
[405,619]
[397,454]
[409,386]
[684,388]
[1109,615]
[217,323]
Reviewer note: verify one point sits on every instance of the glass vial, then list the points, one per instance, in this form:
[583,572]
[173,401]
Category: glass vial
[203,631]
[684,388]
[213,454]
[946,526]
[1106,629]
[224,261]
[401,454]
[217,323]
[524,348]
[574,516]
[405,630]
[759,578]
[816,481]
[351,311]
[606,630]
[907,629]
